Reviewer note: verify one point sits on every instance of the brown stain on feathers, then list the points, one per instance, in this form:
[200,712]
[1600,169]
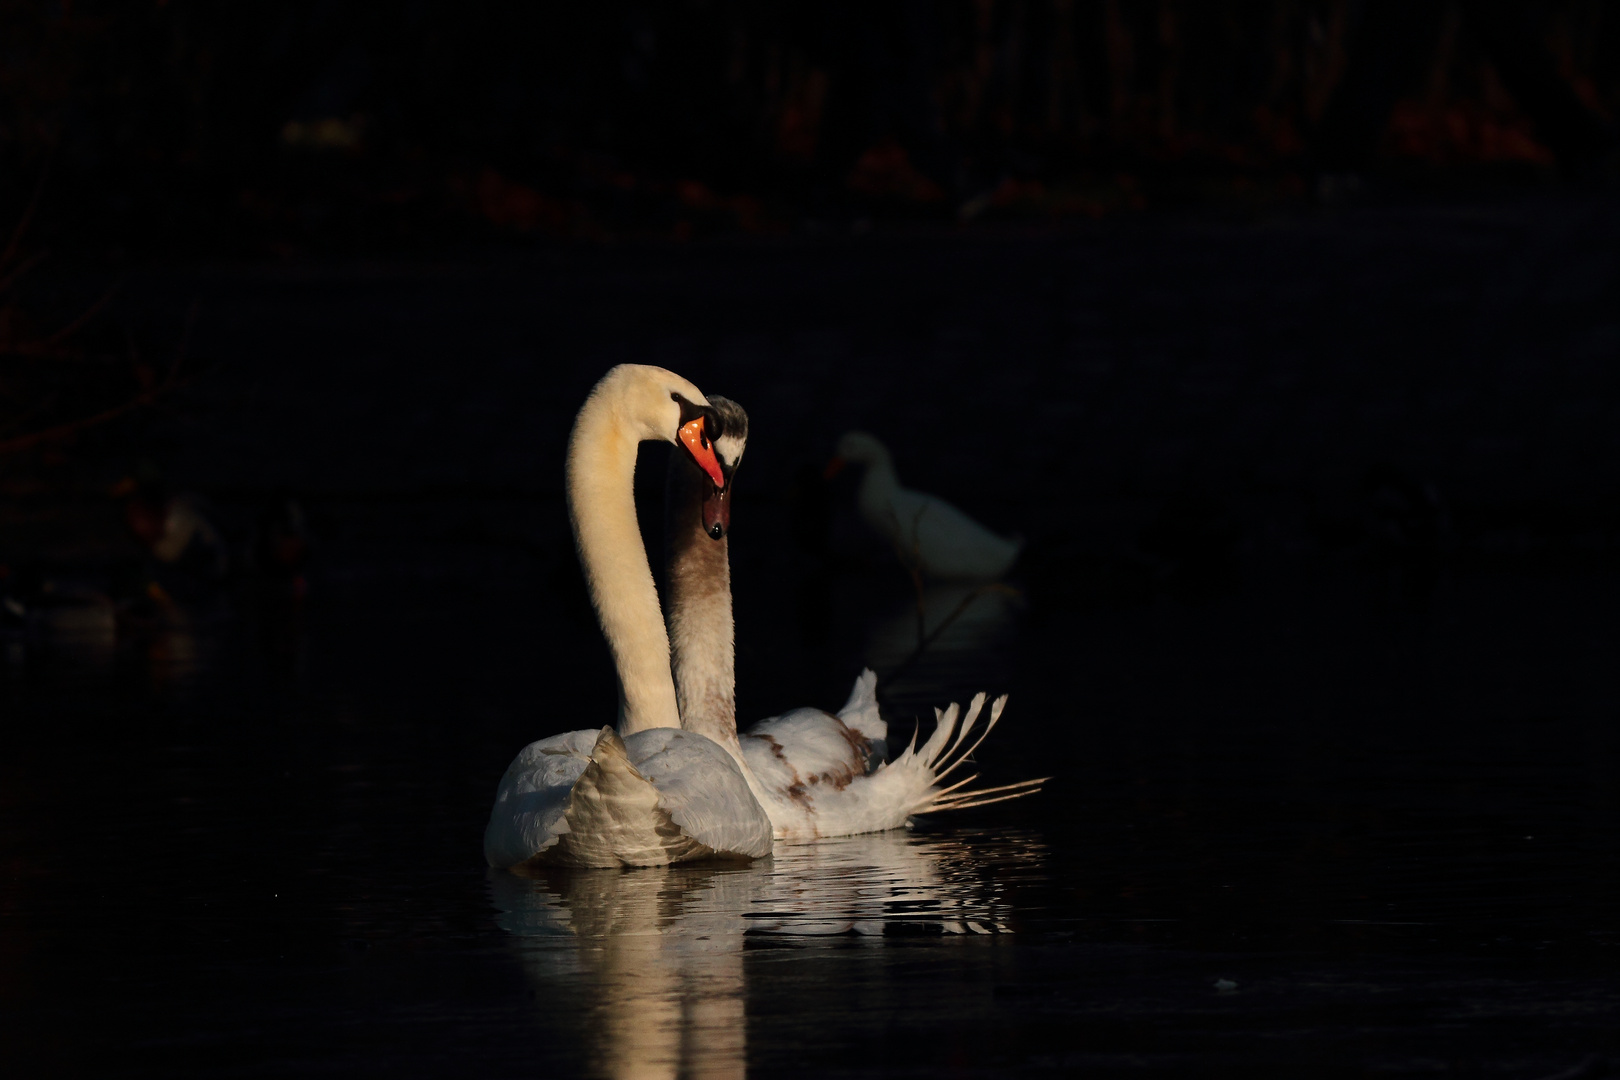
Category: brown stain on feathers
[837,778]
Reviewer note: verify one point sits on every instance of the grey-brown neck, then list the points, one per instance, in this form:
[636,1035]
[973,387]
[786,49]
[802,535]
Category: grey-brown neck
[701,630]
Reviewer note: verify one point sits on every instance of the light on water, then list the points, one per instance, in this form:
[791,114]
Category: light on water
[657,954]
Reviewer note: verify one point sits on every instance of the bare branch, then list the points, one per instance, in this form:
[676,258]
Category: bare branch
[26,442]
[148,397]
[27,218]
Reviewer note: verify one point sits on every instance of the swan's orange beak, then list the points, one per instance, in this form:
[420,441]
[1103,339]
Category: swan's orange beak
[695,438]
[834,467]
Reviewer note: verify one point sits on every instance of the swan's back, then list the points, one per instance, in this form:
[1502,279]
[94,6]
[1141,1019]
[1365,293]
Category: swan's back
[588,798]
[702,789]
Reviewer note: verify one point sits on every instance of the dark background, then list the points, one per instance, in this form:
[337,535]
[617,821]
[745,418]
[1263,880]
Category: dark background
[1285,333]
[324,126]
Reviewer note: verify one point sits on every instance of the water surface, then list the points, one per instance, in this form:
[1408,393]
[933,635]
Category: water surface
[1285,834]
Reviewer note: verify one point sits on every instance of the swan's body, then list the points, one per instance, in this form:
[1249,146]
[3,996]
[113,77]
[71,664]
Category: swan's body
[589,798]
[657,794]
[816,774]
[929,533]
[823,775]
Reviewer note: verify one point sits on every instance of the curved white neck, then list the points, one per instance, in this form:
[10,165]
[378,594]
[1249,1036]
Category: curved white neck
[602,507]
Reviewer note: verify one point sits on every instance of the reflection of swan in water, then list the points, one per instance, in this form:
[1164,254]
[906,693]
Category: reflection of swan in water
[873,884]
[660,951]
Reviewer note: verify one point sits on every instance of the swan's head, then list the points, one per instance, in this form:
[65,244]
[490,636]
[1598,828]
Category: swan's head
[729,444]
[859,448]
[651,403]
[732,440]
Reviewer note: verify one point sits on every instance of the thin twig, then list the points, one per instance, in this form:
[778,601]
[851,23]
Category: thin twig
[84,316]
[27,264]
[24,442]
[185,339]
[43,406]
[147,397]
[27,217]
[922,610]
[912,561]
[933,636]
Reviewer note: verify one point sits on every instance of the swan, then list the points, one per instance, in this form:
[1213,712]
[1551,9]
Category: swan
[816,774]
[928,533]
[650,793]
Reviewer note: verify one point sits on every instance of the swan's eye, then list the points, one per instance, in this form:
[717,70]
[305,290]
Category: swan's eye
[713,425]
[689,411]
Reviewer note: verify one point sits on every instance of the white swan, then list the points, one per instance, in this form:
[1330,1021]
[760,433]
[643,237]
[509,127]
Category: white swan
[650,794]
[816,774]
[927,532]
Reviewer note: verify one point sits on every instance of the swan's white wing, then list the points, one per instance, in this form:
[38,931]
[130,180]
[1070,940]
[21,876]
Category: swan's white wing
[816,742]
[814,770]
[531,803]
[817,746]
[702,790]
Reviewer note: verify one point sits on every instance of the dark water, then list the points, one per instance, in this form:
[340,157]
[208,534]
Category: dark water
[1285,836]
[1315,810]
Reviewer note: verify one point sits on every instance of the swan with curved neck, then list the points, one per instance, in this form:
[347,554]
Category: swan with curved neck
[650,793]
[816,774]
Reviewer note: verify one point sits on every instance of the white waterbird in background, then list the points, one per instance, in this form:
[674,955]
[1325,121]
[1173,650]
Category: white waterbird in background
[930,534]
[816,774]
[651,793]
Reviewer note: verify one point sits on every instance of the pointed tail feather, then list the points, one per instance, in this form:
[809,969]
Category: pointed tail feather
[995,714]
[944,726]
[942,761]
[976,797]
[949,747]
[971,803]
[967,722]
[943,797]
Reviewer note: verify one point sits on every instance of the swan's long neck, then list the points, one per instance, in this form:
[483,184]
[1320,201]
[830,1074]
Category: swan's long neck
[601,504]
[701,629]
